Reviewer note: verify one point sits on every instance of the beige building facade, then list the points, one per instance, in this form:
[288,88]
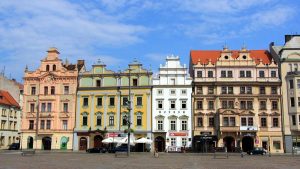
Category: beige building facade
[236,100]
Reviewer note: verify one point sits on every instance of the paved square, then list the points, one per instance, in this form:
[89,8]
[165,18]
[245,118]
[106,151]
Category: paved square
[58,160]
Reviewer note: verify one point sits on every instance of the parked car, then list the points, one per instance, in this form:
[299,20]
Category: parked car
[14,146]
[122,148]
[258,150]
[96,150]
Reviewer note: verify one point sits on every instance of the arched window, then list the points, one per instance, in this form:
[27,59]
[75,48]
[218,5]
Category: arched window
[47,67]
[99,119]
[54,68]
[124,120]
[84,119]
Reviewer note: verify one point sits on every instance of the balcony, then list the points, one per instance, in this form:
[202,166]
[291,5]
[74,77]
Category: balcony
[229,128]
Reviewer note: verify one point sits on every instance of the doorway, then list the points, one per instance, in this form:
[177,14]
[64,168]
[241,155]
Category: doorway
[98,141]
[29,143]
[47,143]
[229,143]
[64,143]
[247,143]
[82,143]
[160,144]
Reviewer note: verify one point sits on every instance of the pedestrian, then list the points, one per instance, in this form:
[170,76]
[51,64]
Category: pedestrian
[156,153]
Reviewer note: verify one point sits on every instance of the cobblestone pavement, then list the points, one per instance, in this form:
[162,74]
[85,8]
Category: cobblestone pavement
[78,160]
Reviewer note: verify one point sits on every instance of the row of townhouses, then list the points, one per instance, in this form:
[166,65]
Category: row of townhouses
[233,99]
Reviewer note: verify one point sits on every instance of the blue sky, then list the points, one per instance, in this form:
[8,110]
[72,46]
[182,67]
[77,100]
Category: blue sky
[117,31]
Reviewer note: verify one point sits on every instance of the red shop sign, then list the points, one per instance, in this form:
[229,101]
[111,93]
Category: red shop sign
[178,134]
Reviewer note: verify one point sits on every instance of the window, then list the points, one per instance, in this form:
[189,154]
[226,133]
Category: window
[250,121]
[52,90]
[242,74]
[291,84]
[298,83]
[160,125]
[172,104]
[296,67]
[210,73]
[273,73]
[276,145]
[249,89]
[43,107]
[125,101]
[246,105]
[299,119]
[66,90]
[261,73]
[85,101]
[183,92]
[99,120]
[274,105]
[48,126]
[199,74]
[172,81]
[275,122]
[211,121]
[223,73]
[111,101]
[183,141]
[244,121]
[211,105]
[134,82]
[199,105]
[111,121]
[139,120]
[273,90]
[3,124]
[54,67]
[224,89]
[262,105]
[225,121]
[124,120]
[84,120]
[33,92]
[183,125]
[32,107]
[183,104]
[262,90]
[66,107]
[294,120]
[98,83]
[46,90]
[173,141]
[99,101]
[229,73]
[232,121]
[47,68]
[159,104]
[298,101]
[49,107]
[227,104]
[292,99]
[242,90]
[173,125]
[139,101]
[199,90]
[210,90]
[159,92]
[173,92]
[263,122]
[42,125]
[65,124]
[248,73]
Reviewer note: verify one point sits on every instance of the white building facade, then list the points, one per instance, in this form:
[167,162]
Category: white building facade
[171,106]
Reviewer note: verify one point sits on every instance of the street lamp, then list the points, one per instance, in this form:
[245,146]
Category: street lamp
[129,112]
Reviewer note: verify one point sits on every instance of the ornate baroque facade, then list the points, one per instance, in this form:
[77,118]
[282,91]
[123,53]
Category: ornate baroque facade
[49,104]
[236,100]
[102,100]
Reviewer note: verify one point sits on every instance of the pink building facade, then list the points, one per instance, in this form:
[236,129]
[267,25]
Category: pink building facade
[49,104]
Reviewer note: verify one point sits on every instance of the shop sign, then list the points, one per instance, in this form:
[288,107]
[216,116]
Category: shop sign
[178,134]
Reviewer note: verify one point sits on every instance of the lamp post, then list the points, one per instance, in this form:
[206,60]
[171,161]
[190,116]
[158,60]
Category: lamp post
[129,112]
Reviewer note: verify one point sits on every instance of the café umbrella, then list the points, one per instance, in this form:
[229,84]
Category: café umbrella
[143,141]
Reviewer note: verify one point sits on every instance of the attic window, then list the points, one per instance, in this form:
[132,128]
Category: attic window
[226,57]
[1,97]
[54,67]
[244,57]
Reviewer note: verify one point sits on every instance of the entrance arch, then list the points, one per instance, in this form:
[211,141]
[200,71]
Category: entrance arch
[160,143]
[98,141]
[30,142]
[82,143]
[247,143]
[64,143]
[229,143]
[47,143]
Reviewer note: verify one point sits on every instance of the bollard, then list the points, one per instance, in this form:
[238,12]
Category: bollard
[242,155]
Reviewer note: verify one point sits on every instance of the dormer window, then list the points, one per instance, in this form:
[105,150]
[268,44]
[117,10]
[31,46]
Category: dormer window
[98,83]
[244,57]
[54,68]
[47,67]
[226,57]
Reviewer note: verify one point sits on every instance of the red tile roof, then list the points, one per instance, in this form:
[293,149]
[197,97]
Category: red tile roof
[7,99]
[214,55]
